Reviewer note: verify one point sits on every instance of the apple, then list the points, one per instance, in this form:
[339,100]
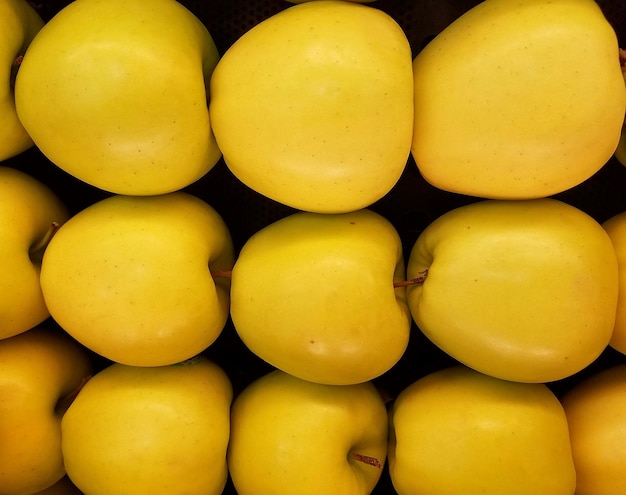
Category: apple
[40,372]
[149,430]
[457,431]
[291,436]
[596,413]
[130,277]
[523,290]
[19,23]
[518,100]
[312,111]
[30,212]
[114,92]
[313,294]
[616,228]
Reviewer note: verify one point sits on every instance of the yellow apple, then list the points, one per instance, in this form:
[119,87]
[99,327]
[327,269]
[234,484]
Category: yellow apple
[458,431]
[130,277]
[115,93]
[150,430]
[313,106]
[19,23]
[29,212]
[522,290]
[616,228]
[313,294]
[40,370]
[596,414]
[518,100]
[294,437]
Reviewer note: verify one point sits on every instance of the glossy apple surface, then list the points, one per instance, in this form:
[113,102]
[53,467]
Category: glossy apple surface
[115,93]
[596,414]
[149,430]
[460,431]
[19,23]
[616,228]
[39,371]
[130,277]
[294,437]
[28,210]
[313,294]
[518,100]
[522,290]
[312,110]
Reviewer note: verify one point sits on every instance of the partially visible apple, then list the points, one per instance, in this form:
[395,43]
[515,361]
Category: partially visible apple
[30,212]
[596,415]
[616,228]
[19,23]
[518,100]
[40,372]
[150,430]
[130,277]
[115,92]
[313,294]
[457,431]
[522,290]
[294,437]
[313,107]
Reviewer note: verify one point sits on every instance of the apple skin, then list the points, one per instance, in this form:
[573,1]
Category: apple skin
[616,228]
[39,369]
[294,437]
[130,277]
[148,430]
[523,290]
[114,92]
[19,23]
[460,431]
[313,295]
[518,100]
[311,112]
[28,208]
[596,410]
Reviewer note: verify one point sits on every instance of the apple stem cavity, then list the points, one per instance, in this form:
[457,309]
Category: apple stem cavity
[366,459]
[420,279]
[36,251]
[622,59]
[65,402]
[14,68]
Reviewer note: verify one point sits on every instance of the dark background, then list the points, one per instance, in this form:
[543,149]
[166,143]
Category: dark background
[410,206]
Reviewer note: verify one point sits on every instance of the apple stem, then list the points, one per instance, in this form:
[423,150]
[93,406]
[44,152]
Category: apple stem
[222,273]
[14,68]
[369,460]
[414,281]
[36,251]
[65,402]
[622,59]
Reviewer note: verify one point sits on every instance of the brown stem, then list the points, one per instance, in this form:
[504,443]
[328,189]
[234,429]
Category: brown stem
[36,251]
[366,459]
[15,66]
[414,281]
[65,402]
[622,59]
[222,273]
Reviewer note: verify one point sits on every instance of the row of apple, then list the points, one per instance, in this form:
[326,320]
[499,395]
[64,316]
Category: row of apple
[305,109]
[178,429]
